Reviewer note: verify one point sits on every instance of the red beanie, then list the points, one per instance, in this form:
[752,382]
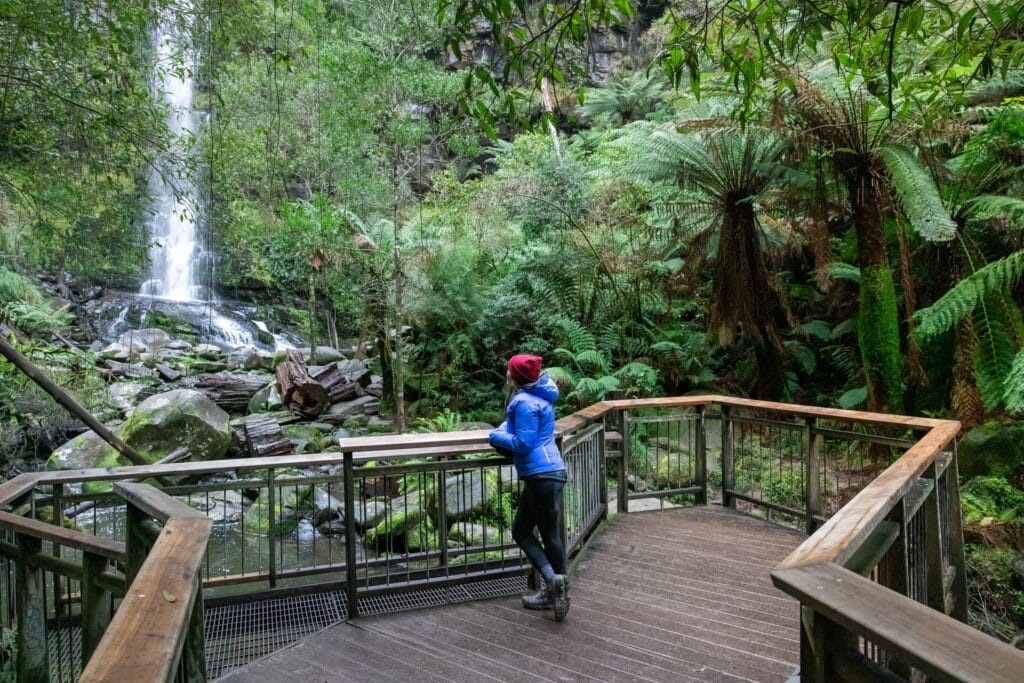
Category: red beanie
[524,369]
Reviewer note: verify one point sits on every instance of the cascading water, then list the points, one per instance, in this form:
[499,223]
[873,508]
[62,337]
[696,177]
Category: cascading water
[176,211]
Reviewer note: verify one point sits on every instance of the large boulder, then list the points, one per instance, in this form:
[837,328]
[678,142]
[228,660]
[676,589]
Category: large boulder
[322,355]
[85,451]
[478,493]
[175,419]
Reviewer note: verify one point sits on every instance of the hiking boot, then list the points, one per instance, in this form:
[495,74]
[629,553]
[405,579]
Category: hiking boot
[559,591]
[539,600]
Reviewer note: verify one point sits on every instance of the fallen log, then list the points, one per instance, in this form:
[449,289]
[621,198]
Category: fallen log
[232,391]
[339,387]
[263,437]
[300,393]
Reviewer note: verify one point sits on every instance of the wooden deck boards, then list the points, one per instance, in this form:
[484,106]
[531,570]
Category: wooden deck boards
[676,595]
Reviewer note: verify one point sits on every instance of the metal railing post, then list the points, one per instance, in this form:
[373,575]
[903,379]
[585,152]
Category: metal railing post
[622,497]
[728,466]
[352,588]
[812,474]
[271,527]
[701,458]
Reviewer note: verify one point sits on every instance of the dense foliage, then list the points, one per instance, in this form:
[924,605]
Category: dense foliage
[813,202]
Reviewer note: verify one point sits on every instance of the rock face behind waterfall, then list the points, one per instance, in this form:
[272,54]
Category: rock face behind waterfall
[158,426]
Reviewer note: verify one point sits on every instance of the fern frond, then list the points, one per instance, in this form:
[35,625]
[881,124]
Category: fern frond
[853,398]
[1013,385]
[844,328]
[579,337]
[844,271]
[804,357]
[994,206]
[993,355]
[818,329]
[962,299]
[592,361]
[562,376]
[919,197]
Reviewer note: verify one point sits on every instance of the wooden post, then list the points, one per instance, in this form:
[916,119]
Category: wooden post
[701,458]
[352,586]
[955,540]
[33,660]
[897,570]
[46,384]
[812,474]
[623,493]
[728,462]
[933,541]
[136,547]
[96,604]
[193,655]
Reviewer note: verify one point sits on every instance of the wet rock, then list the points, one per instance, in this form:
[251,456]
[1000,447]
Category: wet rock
[126,395]
[175,419]
[267,399]
[323,355]
[85,451]
[208,351]
[209,366]
[258,359]
[130,370]
[477,493]
[121,352]
[167,374]
[341,433]
[406,527]
[475,534]
[370,513]
[180,345]
[223,507]
[353,407]
[151,339]
[326,507]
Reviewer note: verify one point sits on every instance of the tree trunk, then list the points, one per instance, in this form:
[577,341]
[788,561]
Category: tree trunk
[230,391]
[771,374]
[878,330]
[300,393]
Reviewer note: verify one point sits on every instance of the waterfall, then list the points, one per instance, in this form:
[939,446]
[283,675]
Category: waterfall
[175,212]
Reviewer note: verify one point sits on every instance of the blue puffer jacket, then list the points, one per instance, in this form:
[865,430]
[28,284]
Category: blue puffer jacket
[529,429]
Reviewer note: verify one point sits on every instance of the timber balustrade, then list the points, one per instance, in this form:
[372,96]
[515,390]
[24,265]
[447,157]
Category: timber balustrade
[880,579]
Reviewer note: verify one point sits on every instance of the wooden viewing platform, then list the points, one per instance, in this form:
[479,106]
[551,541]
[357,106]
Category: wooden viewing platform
[674,595]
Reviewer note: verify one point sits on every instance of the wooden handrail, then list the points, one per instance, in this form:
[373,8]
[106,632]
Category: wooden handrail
[112,550]
[941,647]
[157,505]
[146,636]
[840,537]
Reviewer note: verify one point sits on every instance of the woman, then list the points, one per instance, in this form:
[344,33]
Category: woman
[528,435]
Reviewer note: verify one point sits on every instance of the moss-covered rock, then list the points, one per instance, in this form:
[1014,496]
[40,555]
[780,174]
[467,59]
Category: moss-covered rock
[476,493]
[257,518]
[175,419]
[405,523]
[476,535]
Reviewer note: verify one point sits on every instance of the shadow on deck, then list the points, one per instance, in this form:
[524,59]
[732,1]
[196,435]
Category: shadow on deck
[676,595]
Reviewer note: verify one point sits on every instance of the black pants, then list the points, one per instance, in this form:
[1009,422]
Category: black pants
[540,507]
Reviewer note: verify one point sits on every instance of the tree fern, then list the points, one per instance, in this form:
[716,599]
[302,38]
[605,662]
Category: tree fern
[918,195]
[993,354]
[638,379]
[853,398]
[579,338]
[1013,385]
[966,296]
[994,206]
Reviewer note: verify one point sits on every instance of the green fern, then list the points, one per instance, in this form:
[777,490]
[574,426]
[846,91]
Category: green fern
[919,197]
[967,295]
[638,379]
[1013,385]
[995,206]
[853,398]
[993,354]
[579,338]
[844,271]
